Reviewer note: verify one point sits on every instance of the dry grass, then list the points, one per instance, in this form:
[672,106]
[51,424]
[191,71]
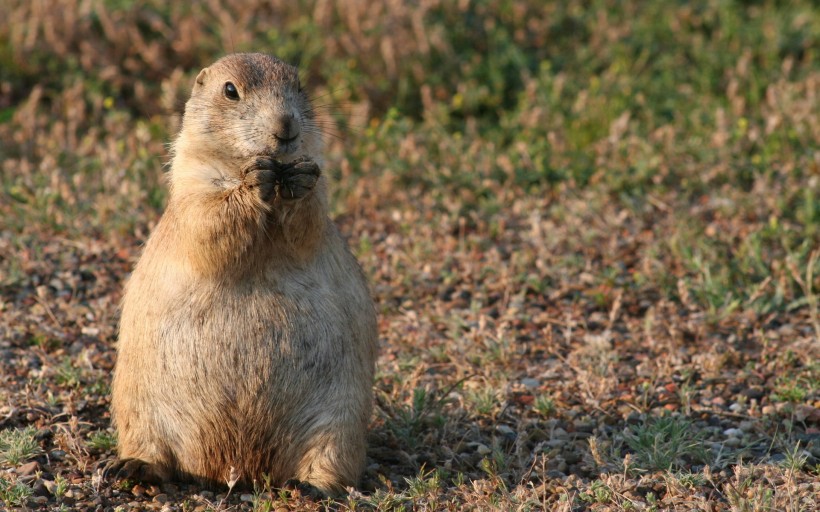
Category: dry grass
[592,229]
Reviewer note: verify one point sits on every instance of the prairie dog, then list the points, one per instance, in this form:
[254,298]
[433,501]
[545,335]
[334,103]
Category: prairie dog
[248,336]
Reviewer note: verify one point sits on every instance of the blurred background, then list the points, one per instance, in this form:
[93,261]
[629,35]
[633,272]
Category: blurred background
[647,99]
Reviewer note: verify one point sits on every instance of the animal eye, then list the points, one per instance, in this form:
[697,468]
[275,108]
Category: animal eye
[230,91]
[298,85]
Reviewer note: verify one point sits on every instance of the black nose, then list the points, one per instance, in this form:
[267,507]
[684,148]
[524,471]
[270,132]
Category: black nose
[286,128]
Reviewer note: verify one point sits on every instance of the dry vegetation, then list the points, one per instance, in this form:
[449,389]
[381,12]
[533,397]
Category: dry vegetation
[592,229]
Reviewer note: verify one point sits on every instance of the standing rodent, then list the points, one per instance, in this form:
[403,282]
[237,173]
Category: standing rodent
[248,335]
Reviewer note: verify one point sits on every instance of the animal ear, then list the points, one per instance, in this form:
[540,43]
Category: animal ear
[200,78]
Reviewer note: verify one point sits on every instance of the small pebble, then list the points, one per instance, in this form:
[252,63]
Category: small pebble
[585,426]
[733,432]
[39,487]
[530,383]
[50,486]
[505,430]
[483,449]
[161,498]
[733,442]
[246,497]
[561,466]
[560,433]
[777,458]
[28,469]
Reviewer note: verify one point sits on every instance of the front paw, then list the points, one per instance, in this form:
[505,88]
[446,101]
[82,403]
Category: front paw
[298,179]
[261,173]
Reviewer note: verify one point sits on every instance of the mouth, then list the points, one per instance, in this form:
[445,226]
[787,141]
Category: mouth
[286,140]
[284,151]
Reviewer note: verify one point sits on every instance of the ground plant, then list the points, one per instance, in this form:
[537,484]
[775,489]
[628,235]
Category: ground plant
[592,230]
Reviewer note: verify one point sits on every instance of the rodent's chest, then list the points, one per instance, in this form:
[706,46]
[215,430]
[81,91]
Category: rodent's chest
[250,341]
[278,316]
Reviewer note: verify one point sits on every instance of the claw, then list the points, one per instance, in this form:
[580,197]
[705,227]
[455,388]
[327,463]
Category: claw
[132,469]
[298,178]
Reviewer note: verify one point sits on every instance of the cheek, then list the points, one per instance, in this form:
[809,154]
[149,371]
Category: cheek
[249,130]
[312,135]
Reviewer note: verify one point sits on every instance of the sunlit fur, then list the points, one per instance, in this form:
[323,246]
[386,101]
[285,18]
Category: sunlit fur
[248,336]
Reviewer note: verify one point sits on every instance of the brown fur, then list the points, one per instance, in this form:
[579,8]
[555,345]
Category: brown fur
[248,336]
